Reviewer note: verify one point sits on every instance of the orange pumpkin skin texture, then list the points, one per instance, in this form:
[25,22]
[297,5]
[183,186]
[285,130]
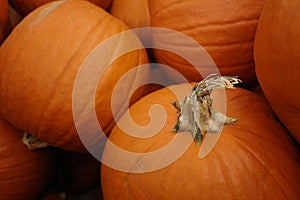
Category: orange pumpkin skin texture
[253,159]
[24,7]
[5,26]
[39,63]
[134,13]
[276,50]
[225,29]
[24,174]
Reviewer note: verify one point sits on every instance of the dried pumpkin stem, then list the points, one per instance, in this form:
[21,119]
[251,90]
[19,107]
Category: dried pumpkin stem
[196,113]
[32,142]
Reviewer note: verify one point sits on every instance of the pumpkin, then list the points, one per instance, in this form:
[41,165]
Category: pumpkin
[24,174]
[134,13]
[276,50]
[24,7]
[253,159]
[225,29]
[5,26]
[39,69]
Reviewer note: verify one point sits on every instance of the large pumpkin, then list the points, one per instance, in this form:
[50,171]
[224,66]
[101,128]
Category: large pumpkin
[24,174]
[4,20]
[253,159]
[225,29]
[134,13]
[276,50]
[39,64]
[24,7]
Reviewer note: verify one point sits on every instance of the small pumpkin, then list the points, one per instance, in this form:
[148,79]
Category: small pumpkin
[24,7]
[225,29]
[5,26]
[249,161]
[40,61]
[276,50]
[134,13]
[24,174]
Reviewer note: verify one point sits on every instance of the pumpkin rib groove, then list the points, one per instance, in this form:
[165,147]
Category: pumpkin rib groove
[237,97]
[231,44]
[241,128]
[127,179]
[10,70]
[65,73]
[111,121]
[290,152]
[256,157]
[223,26]
[92,32]
[217,26]
[166,8]
[236,65]
[149,196]
[242,64]
[18,178]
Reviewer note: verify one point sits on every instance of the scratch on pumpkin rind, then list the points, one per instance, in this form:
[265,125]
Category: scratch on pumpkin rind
[196,113]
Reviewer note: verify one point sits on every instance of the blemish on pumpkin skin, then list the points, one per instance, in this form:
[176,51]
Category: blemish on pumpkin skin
[45,12]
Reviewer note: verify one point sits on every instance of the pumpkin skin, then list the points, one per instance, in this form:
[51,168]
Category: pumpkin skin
[5,26]
[24,7]
[253,159]
[134,13]
[39,64]
[24,174]
[225,29]
[276,50]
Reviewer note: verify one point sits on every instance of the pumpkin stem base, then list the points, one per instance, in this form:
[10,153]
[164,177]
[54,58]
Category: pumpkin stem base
[196,113]
[32,142]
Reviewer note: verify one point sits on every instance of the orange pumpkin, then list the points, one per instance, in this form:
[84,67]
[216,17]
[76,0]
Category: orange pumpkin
[39,64]
[253,159]
[134,13]
[24,174]
[225,29]
[24,7]
[276,50]
[5,26]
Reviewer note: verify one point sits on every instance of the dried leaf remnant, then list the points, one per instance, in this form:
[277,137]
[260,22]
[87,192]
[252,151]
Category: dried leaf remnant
[32,142]
[196,113]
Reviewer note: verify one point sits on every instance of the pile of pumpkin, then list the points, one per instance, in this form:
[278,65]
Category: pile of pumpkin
[43,46]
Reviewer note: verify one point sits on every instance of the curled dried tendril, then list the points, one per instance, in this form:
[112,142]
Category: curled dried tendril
[196,113]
